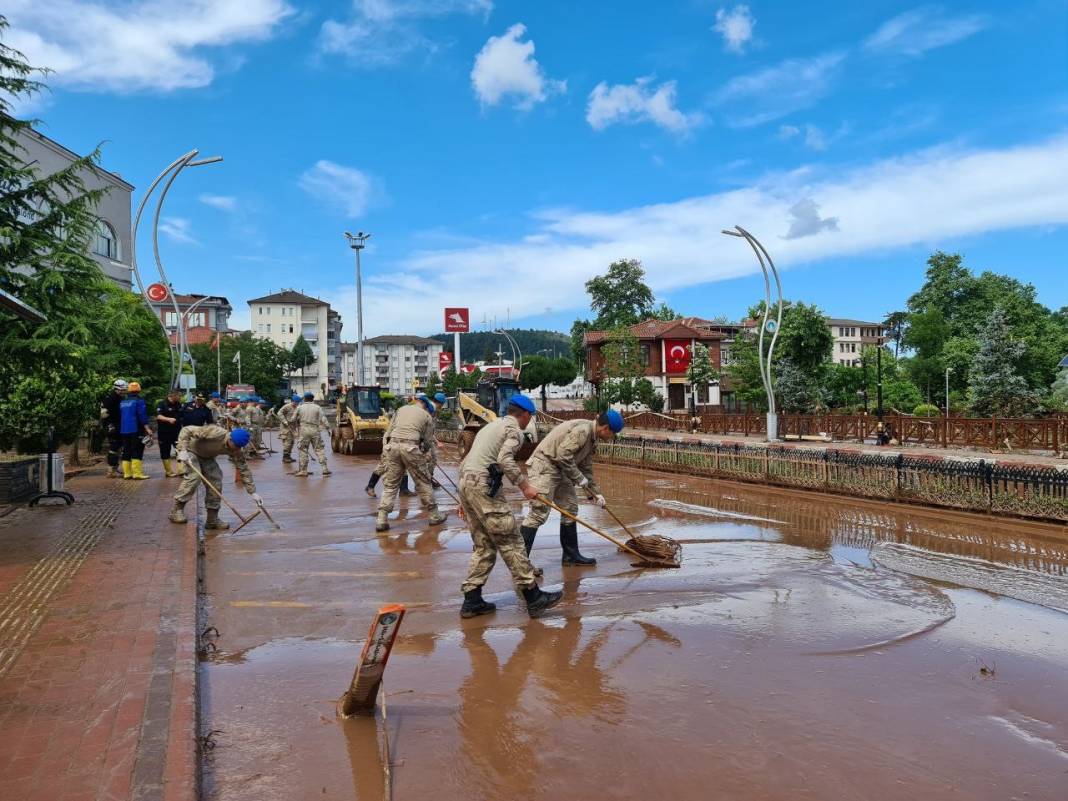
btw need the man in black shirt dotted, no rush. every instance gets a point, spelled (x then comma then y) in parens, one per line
(197, 413)
(168, 424)
(110, 418)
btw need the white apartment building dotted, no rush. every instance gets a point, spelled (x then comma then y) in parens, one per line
(850, 337)
(398, 364)
(284, 316)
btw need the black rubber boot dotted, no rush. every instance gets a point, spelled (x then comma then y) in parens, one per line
(474, 605)
(569, 545)
(528, 541)
(404, 488)
(371, 482)
(538, 600)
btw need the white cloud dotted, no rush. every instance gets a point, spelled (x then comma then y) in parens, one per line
(221, 202)
(141, 45)
(506, 67)
(637, 102)
(788, 132)
(735, 26)
(381, 32)
(178, 229)
(805, 220)
(347, 189)
(915, 32)
(926, 197)
(774, 92)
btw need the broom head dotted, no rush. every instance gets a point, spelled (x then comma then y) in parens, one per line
(657, 551)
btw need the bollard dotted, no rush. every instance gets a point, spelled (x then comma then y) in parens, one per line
(362, 694)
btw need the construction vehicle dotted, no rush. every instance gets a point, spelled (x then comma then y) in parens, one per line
(361, 423)
(486, 403)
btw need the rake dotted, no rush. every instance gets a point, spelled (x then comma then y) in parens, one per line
(654, 557)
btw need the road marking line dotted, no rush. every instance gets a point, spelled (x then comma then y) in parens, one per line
(340, 573)
(272, 604)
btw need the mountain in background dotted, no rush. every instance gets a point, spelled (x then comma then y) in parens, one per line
(478, 344)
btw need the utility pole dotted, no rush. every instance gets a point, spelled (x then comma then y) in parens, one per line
(357, 243)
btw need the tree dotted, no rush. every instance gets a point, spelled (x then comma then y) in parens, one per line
(539, 372)
(997, 388)
(744, 371)
(53, 373)
(620, 297)
(454, 380)
(263, 364)
(578, 349)
(797, 389)
(1058, 392)
(300, 357)
(896, 323)
(805, 338)
(622, 366)
(701, 371)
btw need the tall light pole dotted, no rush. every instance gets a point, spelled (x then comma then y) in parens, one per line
(357, 243)
(948, 371)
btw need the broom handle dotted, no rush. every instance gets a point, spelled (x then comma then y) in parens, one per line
(457, 500)
(211, 486)
(621, 523)
(592, 528)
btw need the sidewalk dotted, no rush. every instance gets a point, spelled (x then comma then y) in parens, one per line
(98, 646)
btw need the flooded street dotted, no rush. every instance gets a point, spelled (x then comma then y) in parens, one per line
(809, 648)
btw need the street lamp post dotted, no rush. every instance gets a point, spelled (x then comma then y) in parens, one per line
(765, 360)
(357, 243)
(948, 371)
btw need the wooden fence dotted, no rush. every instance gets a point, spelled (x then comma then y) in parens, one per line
(991, 433)
(980, 486)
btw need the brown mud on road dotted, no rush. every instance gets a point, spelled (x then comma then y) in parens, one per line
(809, 648)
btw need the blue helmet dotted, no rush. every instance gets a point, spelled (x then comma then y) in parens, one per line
(295, 399)
(614, 420)
(440, 397)
(240, 437)
(309, 396)
(423, 399)
(523, 402)
(216, 395)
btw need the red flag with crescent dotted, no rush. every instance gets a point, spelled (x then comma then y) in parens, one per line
(677, 355)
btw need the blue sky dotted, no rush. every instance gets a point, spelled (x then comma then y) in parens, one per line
(503, 152)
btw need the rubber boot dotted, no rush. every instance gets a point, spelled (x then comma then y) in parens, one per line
(326, 470)
(474, 605)
(437, 517)
(137, 470)
(301, 472)
(404, 488)
(177, 514)
(168, 469)
(127, 470)
(288, 457)
(382, 521)
(529, 533)
(113, 472)
(214, 522)
(370, 488)
(569, 545)
(538, 600)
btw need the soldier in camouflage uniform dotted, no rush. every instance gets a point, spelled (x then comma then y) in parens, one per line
(254, 424)
(490, 518)
(410, 435)
(287, 416)
(199, 446)
(310, 423)
(561, 462)
(218, 409)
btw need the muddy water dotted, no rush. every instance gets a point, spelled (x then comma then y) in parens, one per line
(809, 648)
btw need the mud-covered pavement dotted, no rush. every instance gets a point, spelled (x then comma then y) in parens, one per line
(809, 648)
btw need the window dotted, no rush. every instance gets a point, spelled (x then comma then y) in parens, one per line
(291, 328)
(645, 354)
(268, 328)
(260, 308)
(268, 309)
(104, 243)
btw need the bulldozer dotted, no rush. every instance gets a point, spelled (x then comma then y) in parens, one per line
(487, 402)
(361, 423)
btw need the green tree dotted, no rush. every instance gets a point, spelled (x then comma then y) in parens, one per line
(744, 371)
(263, 364)
(805, 338)
(540, 372)
(701, 371)
(300, 357)
(1058, 392)
(896, 323)
(622, 366)
(798, 389)
(997, 387)
(620, 297)
(454, 381)
(578, 349)
(53, 373)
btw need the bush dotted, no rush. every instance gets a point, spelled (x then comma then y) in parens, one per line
(926, 410)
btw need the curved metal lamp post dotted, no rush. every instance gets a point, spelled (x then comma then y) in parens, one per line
(178, 349)
(765, 359)
(517, 354)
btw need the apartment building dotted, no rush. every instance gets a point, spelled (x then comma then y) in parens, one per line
(284, 316)
(111, 247)
(850, 338)
(399, 363)
(205, 316)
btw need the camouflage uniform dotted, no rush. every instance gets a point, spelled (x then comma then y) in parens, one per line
(493, 526)
(218, 411)
(410, 434)
(287, 416)
(560, 462)
(206, 443)
(310, 421)
(254, 418)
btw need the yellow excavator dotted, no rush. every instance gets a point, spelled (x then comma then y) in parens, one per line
(486, 403)
(361, 423)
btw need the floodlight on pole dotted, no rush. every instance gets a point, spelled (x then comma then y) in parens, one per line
(357, 243)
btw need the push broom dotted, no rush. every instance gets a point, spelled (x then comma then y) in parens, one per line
(649, 554)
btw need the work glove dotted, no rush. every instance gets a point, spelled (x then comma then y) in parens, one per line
(185, 457)
(256, 497)
(584, 483)
(600, 500)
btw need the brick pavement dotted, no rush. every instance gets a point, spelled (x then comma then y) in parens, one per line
(98, 647)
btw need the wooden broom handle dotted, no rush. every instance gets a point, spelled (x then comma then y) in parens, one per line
(592, 528)
(211, 486)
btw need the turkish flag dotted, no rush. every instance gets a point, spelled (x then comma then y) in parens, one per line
(677, 355)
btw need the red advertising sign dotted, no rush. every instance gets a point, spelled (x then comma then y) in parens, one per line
(468, 368)
(157, 293)
(444, 362)
(676, 355)
(457, 320)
